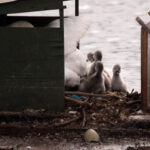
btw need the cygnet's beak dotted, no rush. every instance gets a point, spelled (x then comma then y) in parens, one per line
(117, 72)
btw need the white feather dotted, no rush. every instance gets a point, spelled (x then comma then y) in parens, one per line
(71, 78)
(75, 61)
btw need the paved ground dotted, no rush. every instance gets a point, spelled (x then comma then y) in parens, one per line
(45, 144)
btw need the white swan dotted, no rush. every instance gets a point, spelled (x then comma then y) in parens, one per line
(75, 61)
(71, 78)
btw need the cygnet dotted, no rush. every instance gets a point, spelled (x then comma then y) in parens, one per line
(90, 57)
(89, 62)
(98, 57)
(117, 83)
(95, 82)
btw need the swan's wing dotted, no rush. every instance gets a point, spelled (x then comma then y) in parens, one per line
(74, 29)
(76, 62)
(71, 78)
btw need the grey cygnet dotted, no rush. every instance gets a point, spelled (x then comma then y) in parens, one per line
(98, 57)
(117, 83)
(95, 82)
(90, 57)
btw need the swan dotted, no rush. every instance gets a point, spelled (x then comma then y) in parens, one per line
(117, 84)
(74, 29)
(72, 80)
(75, 61)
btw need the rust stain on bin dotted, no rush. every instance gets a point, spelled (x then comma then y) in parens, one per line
(144, 46)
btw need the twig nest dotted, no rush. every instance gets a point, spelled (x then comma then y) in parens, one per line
(91, 136)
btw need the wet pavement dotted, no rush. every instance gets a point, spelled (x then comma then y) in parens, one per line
(45, 144)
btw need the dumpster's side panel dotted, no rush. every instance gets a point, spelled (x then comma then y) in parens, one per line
(31, 69)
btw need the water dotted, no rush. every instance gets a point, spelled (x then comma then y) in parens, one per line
(115, 32)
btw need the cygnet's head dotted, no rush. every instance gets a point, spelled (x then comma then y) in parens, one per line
(116, 69)
(90, 57)
(97, 56)
(98, 67)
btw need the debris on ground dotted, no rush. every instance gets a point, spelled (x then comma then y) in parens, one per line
(92, 111)
(138, 148)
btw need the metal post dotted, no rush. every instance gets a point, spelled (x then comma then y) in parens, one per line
(76, 7)
(144, 46)
(61, 13)
(77, 14)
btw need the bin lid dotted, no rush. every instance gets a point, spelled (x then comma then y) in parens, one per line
(18, 6)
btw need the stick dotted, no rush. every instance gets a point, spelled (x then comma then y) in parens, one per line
(91, 94)
(141, 22)
(84, 117)
(77, 101)
(67, 122)
(21, 116)
(6, 148)
(133, 102)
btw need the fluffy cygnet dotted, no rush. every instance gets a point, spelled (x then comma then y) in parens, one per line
(98, 57)
(107, 80)
(89, 62)
(90, 57)
(117, 83)
(95, 82)
(72, 80)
